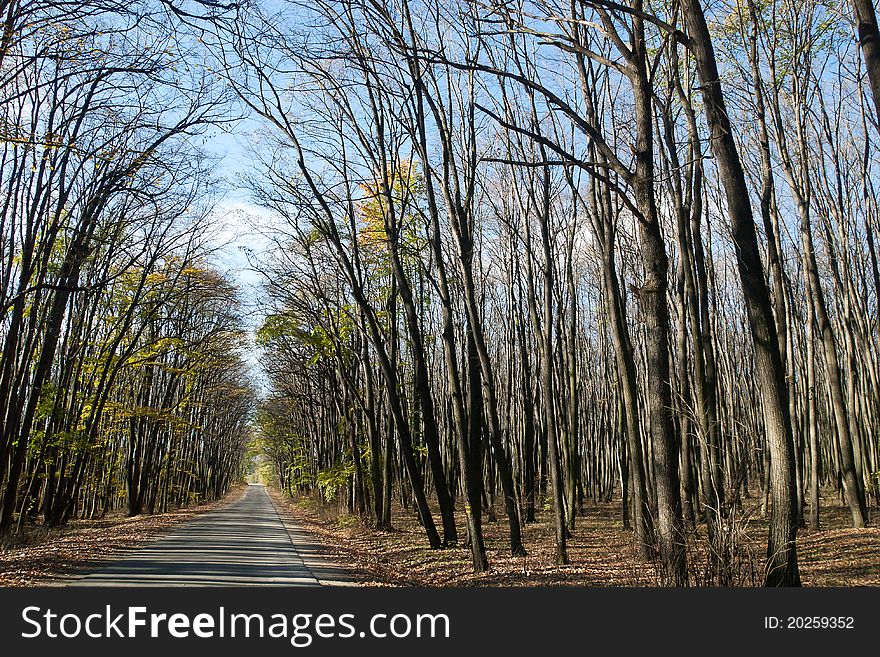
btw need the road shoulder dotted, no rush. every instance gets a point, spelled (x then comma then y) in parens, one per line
(314, 554)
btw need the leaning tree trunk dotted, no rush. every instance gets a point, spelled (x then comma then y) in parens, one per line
(781, 568)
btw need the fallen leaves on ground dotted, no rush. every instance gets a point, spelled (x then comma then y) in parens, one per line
(54, 556)
(601, 552)
(841, 557)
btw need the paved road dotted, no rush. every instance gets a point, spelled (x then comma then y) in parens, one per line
(245, 543)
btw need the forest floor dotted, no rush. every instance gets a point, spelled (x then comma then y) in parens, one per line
(600, 551)
(45, 557)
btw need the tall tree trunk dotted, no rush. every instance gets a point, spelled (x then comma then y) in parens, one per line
(869, 39)
(782, 568)
(655, 314)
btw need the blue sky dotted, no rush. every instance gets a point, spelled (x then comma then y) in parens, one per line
(240, 225)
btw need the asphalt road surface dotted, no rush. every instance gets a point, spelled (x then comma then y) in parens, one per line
(246, 543)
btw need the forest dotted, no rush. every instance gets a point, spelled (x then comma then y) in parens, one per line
(526, 257)
(542, 254)
(122, 378)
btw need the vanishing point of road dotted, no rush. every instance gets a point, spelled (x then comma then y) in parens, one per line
(246, 543)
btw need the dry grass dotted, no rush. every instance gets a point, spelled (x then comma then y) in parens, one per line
(600, 551)
(47, 557)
